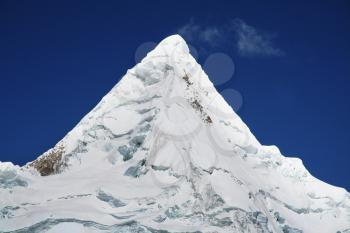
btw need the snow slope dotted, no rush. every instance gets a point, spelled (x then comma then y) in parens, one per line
(164, 152)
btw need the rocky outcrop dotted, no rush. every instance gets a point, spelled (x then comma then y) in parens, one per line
(49, 162)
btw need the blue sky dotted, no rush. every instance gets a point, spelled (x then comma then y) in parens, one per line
(291, 68)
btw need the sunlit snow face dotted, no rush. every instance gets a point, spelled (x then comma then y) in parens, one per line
(177, 123)
(220, 67)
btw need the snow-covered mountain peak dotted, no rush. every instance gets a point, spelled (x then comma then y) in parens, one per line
(164, 152)
(167, 92)
(170, 45)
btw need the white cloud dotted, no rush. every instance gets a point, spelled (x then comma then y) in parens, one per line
(251, 42)
(248, 40)
(210, 35)
(189, 30)
(197, 33)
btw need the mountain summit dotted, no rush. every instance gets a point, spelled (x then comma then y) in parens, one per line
(164, 152)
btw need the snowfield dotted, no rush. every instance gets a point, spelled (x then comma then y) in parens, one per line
(164, 152)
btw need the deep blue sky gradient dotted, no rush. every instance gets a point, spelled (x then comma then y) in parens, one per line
(59, 58)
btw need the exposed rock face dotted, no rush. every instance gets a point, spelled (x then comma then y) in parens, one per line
(50, 162)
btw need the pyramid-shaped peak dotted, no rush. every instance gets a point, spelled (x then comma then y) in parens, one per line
(164, 152)
(171, 45)
(173, 40)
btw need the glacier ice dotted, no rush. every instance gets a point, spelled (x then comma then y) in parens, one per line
(114, 202)
(9, 176)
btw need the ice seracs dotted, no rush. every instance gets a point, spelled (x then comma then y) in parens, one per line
(164, 152)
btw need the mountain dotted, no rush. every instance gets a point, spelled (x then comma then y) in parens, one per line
(164, 152)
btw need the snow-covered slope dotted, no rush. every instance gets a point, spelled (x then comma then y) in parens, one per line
(164, 152)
